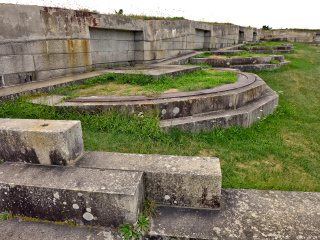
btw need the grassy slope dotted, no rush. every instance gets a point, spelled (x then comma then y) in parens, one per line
(280, 152)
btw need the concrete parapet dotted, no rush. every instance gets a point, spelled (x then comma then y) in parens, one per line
(83, 196)
(170, 180)
(47, 142)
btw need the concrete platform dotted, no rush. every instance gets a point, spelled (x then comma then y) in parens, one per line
(170, 180)
(11, 92)
(84, 196)
(244, 214)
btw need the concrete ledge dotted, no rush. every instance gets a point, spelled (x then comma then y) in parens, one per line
(174, 105)
(15, 229)
(244, 116)
(171, 180)
(84, 196)
(244, 214)
(50, 142)
(243, 63)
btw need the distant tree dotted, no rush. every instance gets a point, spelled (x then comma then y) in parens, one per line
(265, 27)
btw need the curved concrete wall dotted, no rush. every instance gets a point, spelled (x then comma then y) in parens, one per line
(303, 36)
(39, 43)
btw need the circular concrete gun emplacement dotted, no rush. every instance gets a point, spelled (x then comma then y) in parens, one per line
(239, 104)
(243, 63)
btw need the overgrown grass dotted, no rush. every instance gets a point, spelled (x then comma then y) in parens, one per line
(281, 152)
(147, 85)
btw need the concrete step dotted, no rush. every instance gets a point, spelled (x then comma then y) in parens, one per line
(244, 116)
(50, 142)
(170, 180)
(259, 67)
(244, 214)
(84, 196)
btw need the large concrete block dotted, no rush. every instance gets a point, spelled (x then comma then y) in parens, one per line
(55, 142)
(18, 78)
(26, 48)
(83, 196)
(47, 74)
(16, 64)
(170, 180)
(58, 61)
(101, 45)
(68, 46)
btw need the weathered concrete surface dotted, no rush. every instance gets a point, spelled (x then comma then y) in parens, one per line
(283, 49)
(259, 67)
(50, 142)
(172, 180)
(243, 63)
(16, 229)
(244, 116)
(84, 196)
(50, 42)
(230, 62)
(179, 104)
(245, 214)
(303, 36)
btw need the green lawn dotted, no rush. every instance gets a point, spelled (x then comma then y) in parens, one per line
(281, 152)
(139, 84)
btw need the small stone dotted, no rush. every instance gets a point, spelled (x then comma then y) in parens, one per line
(166, 197)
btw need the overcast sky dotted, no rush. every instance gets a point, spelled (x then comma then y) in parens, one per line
(274, 13)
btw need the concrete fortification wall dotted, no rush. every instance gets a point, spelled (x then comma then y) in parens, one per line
(39, 43)
(302, 36)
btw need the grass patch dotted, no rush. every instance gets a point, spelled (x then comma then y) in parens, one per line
(116, 84)
(281, 152)
(203, 55)
(274, 61)
(144, 17)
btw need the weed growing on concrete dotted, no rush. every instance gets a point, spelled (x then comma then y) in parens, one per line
(203, 55)
(274, 61)
(141, 228)
(128, 232)
(1, 161)
(6, 215)
(150, 208)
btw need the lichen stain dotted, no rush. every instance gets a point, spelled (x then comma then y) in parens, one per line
(213, 202)
(56, 158)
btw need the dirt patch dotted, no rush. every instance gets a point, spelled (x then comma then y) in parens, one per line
(171, 90)
(207, 153)
(112, 89)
